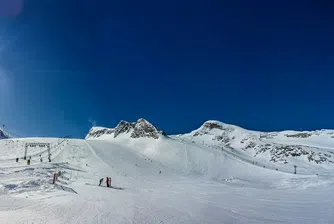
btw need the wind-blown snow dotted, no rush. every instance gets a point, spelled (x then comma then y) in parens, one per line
(171, 179)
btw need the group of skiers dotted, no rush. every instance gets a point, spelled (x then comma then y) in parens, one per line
(29, 159)
(108, 181)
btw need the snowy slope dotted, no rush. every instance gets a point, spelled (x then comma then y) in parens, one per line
(144, 195)
(304, 149)
(311, 152)
(159, 179)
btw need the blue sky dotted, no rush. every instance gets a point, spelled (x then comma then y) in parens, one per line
(263, 65)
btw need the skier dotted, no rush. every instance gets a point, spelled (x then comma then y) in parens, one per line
(107, 181)
(41, 159)
(101, 180)
(17, 159)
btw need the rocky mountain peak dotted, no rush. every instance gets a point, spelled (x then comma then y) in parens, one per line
(143, 128)
(139, 129)
(213, 127)
(123, 127)
(3, 135)
(212, 124)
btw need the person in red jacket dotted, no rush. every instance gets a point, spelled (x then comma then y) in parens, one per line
(107, 181)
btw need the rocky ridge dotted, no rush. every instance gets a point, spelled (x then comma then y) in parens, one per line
(139, 129)
(278, 147)
(222, 136)
(3, 135)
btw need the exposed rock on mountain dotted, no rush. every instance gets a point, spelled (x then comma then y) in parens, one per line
(139, 129)
(3, 135)
(96, 132)
(299, 135)
(278, 147)
(143, 128)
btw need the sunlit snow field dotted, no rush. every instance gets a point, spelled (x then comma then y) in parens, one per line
(195, 185)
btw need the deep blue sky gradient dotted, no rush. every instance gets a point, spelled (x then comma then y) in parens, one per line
(263, 65)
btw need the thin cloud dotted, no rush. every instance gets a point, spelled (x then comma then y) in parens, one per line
(92, 122)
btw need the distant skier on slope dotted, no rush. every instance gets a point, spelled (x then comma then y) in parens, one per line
(101, 180)
(107, 181)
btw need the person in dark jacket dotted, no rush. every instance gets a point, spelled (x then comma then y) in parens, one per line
(101, 180)
(107, 181)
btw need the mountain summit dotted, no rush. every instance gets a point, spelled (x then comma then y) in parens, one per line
(275, 147)
(139, 129)
(3, 135)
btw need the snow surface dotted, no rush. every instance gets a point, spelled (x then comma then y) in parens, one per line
(197, 184)
(248, 146)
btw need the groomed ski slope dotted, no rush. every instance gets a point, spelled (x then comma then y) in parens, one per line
(196, 185)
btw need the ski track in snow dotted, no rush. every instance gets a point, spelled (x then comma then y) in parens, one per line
(188, 190)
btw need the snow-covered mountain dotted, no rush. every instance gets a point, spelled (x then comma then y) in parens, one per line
(307, 149)
(212, 175)
(138, 129)
(3, 135)
(313, 146)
